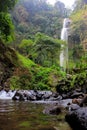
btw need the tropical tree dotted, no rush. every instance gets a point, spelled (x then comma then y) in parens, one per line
(26, 46)
(46, 50)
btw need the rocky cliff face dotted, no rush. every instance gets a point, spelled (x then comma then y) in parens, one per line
(8, 61)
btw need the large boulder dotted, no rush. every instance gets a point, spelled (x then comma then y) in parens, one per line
(77, 118)
(54, 110)
(83, 101)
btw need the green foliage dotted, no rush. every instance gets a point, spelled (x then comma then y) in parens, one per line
(79, 32)
(21, 79)
(25, 62)
(24, 81)
(45, 50)
(82, 62)
(79, 25)
(26, 46)
(31, 76)
(35, 16)
(68, 84)
(77, 53)
(40, 80)
(47, 78)
(42, 86)
(6, 5)
(26, 43)
(14, 82)
(6, 26)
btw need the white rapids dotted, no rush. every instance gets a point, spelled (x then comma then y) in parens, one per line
(7, 95)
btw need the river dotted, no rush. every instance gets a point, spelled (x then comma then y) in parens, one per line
(15, 115)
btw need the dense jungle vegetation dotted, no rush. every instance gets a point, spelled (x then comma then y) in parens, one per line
(30, 45)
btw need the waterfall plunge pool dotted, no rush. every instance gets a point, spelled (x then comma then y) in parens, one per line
(15, 115)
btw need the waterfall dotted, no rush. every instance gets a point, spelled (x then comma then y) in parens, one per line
(64, 48)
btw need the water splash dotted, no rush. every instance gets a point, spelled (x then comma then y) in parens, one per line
(64, 37)
(7, 95)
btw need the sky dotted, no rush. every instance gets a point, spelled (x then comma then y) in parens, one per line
(68, 3)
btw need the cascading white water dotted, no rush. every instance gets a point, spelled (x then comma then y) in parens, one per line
(64, 48)
(7, 95)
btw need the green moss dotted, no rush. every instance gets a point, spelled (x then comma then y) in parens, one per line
(24, 124)
(25, 62)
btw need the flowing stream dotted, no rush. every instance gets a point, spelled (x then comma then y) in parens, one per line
(64, 51)
(16, 115)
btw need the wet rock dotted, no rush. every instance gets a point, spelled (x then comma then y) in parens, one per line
(55, 94)
(30, 95)
(33, 95)
(78, 90)
(76, 101)
(38, 97)
(19, 96)
(54, 110)
(25, 95)
(83, 101)
(64, 103)
(66, 96)
(47, 95)
(15, 98)
(55, 99)
(77, 118)
(39, 94)
(73, 107)
(33, 92)
(77, 94)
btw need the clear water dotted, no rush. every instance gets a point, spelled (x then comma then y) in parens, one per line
(28, 116)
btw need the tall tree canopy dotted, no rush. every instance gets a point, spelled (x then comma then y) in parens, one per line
(32, 16)
(79, 4)
(7, 5)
